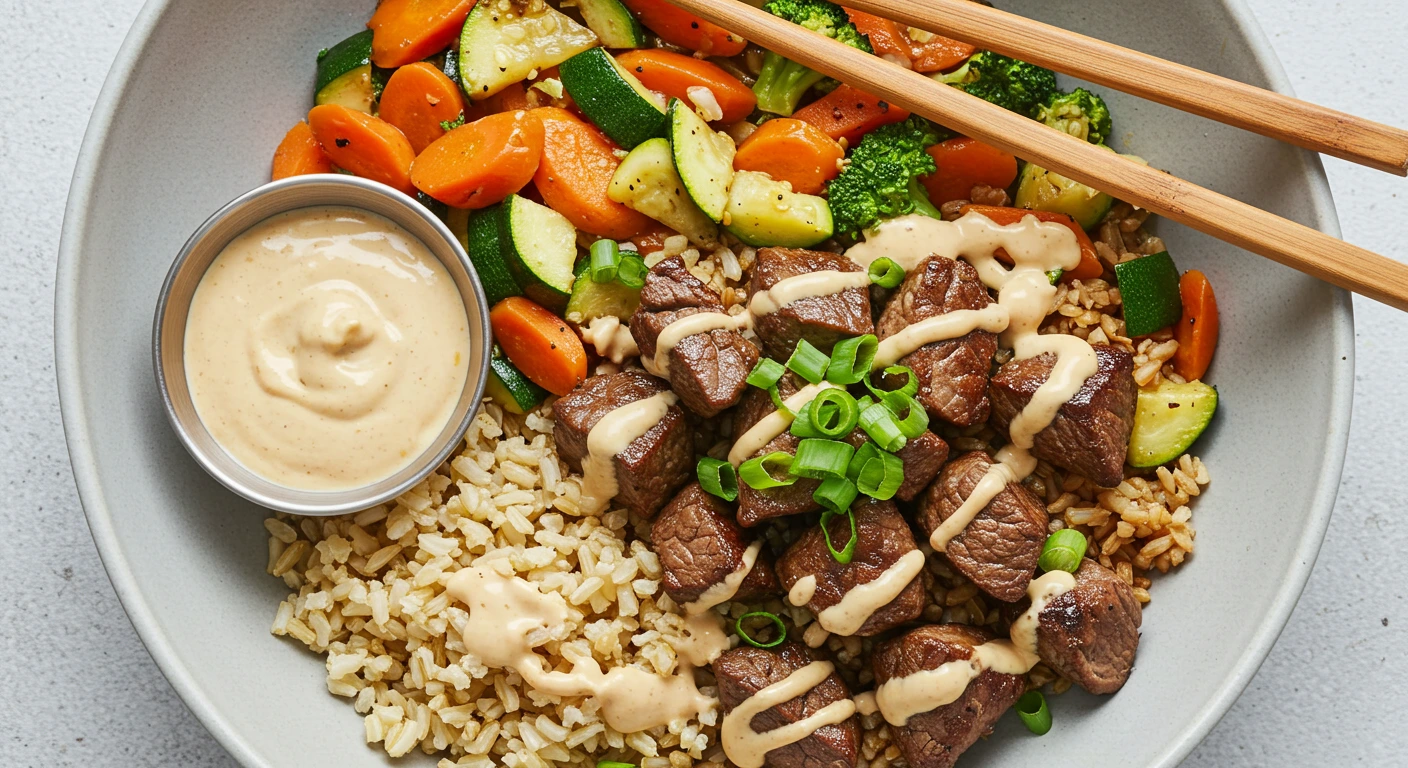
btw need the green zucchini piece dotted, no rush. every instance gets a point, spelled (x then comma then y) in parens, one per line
(591, 299)
(347, 76)
(703, 158)
(1168, 419)
(762, 212)
(541, 249)
(488, 251)
(613, 23)
(508, 387)
(353, 90)
(1043, 190)
(646, 181)
(613, 98)
(1149, 290)
(350, 54)
(498, 49)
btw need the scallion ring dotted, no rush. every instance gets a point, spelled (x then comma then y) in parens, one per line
(886, 273)
(777, 400)
(717, 477)
(880, 423)
(1032, 709)
(760, 472)
(613, 764)
(843, 555)
(851, 359)
(766, 373)
(776, 622)
(808, 362)
(914, 421)
(881, 476)
(604, 260)
(831, 414)
(910, 386)
(1062, 551)
(631, 271)
(820, 458)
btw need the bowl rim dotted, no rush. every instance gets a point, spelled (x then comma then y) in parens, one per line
(73, 241)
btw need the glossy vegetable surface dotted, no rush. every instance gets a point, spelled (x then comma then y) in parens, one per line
(299, 154)
(539, 344)
(367, 146)
(673, 74)
(963, 163)
(483, 162)
(793, 151)
(574, 175)
(420, 100)
(1197, 329)
(406, 31)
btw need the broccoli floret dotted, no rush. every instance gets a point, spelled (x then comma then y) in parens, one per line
(1080, 113)
(782, 83)
(881, 180)
(1006, 82)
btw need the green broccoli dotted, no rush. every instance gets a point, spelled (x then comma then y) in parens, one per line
(1080, 113)
(881, 180)
(1009, 83)
(782, 83)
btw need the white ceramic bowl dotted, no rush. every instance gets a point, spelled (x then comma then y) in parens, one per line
(181, 127)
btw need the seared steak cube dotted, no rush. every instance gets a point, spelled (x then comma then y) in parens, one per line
(653, 465)
(953, 374)
(935, 739)
(998, 551)
(700, 545)
(821, 320)
(923, 457)
(707, 370)
(1090, 434)
(882, 539)
(1089, 634)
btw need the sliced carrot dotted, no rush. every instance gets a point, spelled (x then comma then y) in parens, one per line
(483, 162)
(792, 151)
(887, 37)
(1089, 267)
(417, 99)
(1196, 332)
(963, 163)
(299, 154)
(680, 27)
(575, 172)
(937, 53)
(512, 98)
(539, 344)
(849, 113)
(404, 31)
(365, 145)
(673, 74)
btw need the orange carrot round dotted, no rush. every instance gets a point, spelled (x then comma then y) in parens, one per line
(887, 38)
(937, 53)
(299, 154)
(404, 31)
(365, 145)
(539, 344)
(1196, 331)
(575, 172)
(481, 163)
(792, 151)
(673, 74)
(680, 27)
(849, 113)
(964, 163)
(1089, 267)
(417, 99)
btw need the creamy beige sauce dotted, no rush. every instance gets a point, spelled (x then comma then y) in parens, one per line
(509, 617)
(865, 703)
(961, 322)
(846, 617)
(805, 286)
(611, 338)
(724, 591)
(774, 424)
(326, 348)
(681, 329)
(608, 437)
(901, 698)
(802, 590)
(748, 748)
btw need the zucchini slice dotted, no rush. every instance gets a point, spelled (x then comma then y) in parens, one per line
(508, 387)
(483, 240)
(500, 46)
(541, 249)
(1167, 420)
(613, 23)
(613, 99)
(346, 76)
(647, 181)
(1149, 290)
(703, 157)
(591, 299)
(762, 212)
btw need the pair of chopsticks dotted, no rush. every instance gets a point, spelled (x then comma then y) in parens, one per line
(1270, 114)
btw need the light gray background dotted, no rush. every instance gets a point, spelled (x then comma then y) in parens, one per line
(77, 687)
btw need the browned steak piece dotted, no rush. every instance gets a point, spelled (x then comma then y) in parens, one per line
(936, 738)
(883, 538)
(745, 670)
(654, 464)
(923, 457)
(1090, 434)
(707, 370)
(953, 374)
(821, 320)
(1089, 634)
(700, 545)
(999, 549)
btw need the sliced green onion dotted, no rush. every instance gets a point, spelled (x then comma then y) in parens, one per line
(1032, 709)
(808, 362)
(831, 414)
(1062, 551)
(879, 475)
(820, 459)
(766, 373)
(851, 359)
(1055, 276)
(631, 271)
(777, 400)
(911, 383)
(745, 637)
(613, 764)
(717, 477)
(880, 423)
(605, 259)
(915, 419)
(844, 555)
(760, 473)
(886, 273)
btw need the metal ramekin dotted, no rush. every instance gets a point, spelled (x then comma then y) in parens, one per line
(169, 331)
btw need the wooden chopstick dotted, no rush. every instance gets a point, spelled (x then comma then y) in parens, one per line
(1227, 101)
(1294, 245)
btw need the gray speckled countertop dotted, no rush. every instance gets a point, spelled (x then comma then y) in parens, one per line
(80, 690)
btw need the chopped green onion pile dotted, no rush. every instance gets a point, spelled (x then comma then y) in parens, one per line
(886, 273)
(831, 414)
(1062, 551)
(876, 473)
(605, 259)
(1032, 709)
(844, 555)
(718, 478)
(819, 458)
(915, 419)
(851, 359)
(880, 423)
(808, 362)
(761, 472)
(776, 622)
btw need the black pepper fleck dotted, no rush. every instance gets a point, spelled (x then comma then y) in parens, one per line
(341, 142)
